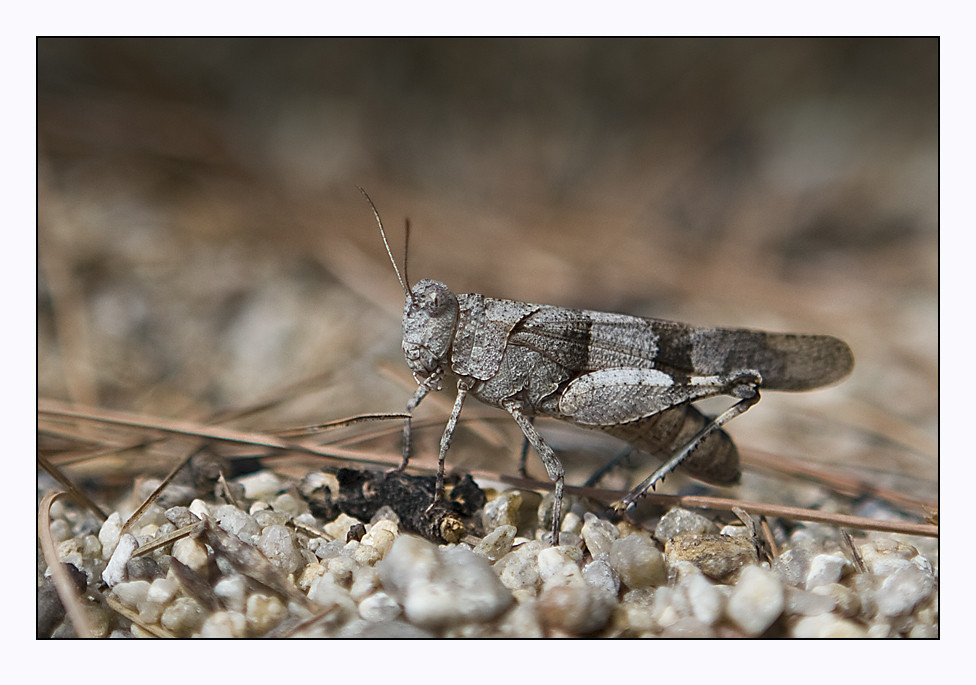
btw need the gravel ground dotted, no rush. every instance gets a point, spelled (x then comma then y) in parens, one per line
(269, 567)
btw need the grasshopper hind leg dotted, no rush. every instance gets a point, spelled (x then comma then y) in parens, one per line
(749, 396)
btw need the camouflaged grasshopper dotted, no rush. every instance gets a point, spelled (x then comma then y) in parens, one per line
(634, 378)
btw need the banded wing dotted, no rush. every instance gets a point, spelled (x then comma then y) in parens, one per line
(582, 340)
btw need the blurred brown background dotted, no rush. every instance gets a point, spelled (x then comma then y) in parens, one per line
(202, 242)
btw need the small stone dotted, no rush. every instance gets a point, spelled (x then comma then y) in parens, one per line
(520, 567)
(497, 543)
(439, 587)
(191, 552)
(181, 516)
(903, 590)
(379, 606)
(237, 523)
(846, 601)
(263, 485)
(502, 511)
(114, 572)
(162, 590)
(599, 574)
(69, 552)
(224, 624)
(342, 569)
(637, 561)
(326, 549)
(287, 503)
(756, 600)
(560, 566)
(278, 547)
(636, 608)
(366, 555)
(572, 523)
(803, 603)
(232, 590)
(825, 569)
(598, 534)
(263, 613)
(717, 556)
(576, 609)
(383, 630)
(132, 593)
(688, 627)
(109, 534)
(325, 591)
(142, 568)
(365, 581)
(339, 529)
(60, 530)
(704, 600)
(522, 622)
(681, 521)
(267, 517)
(827, 626)
(381, 535)
(183, 617)
(793, 565)
(199, 508)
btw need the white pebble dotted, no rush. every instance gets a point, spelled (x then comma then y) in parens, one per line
(440, 587)
(114, 572)
(825, 569)
(339, 529)
(224, 624)
(497, 543)
(803, 603)
(263, 613)
(191, 552)
(379, 606)
(199, 508)
(262, 485)
(231, 590)
(381, 535)
(183, 616)
(560, 566)
(520, 568)
(704, 600)
(162, 590)
(109, 533)
(502, 511)
(827, 626)
(60, 530)
(287, 503)
(237, 523)
(278, 546)
(132, 593)
(903, 590)
(756, 600)
(600, 575)
(598, 534)
(679, 520)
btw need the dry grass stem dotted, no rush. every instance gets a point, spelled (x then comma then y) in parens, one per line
(66, 591)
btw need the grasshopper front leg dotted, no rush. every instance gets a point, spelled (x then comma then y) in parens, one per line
(553, 467)
(432, 382)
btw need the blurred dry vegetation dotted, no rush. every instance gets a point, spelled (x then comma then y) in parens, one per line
(202, 243)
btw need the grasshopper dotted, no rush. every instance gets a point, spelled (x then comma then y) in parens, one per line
(632, 377)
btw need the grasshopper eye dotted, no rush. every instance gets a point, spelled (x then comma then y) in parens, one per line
(436, 302)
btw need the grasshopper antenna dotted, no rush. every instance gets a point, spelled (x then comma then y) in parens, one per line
(379, 221)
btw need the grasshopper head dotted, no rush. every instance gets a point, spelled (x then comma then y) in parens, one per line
(429, 319)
